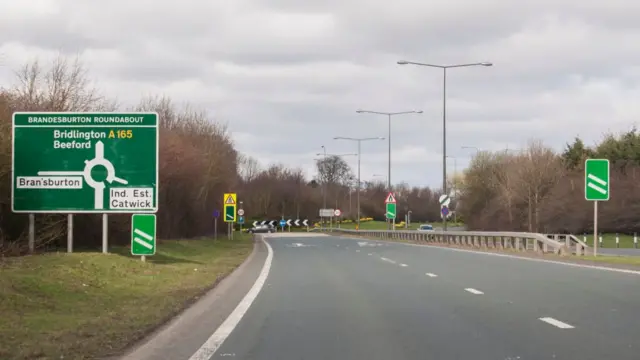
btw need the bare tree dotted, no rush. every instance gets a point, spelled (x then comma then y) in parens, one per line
(248, 168)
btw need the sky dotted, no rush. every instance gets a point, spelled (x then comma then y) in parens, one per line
(287, 76)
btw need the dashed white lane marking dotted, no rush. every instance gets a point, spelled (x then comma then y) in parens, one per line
(404, 265)
(370, 254)
(509, 256)
(474, 291)
(387, 260)
(431, 275)
(357, 250)
(556, 323)
(213, 343)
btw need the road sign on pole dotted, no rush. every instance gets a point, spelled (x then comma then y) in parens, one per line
(337, 212)
(143, 234)
(230, 202)
(596, 179)
(85, 162)
(444, 200)
(391, 210)
(240, 212)
(390, 199)
(444, 212)
(326, 212)
(390, 205)
(596, 188)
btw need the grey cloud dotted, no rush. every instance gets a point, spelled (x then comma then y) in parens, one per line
(287, 87)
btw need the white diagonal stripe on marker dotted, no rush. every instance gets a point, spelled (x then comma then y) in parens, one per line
(143, 234)
(143, 243)
(597, 179)
(597, 188)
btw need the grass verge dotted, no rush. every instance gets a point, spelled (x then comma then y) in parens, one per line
(86, 305)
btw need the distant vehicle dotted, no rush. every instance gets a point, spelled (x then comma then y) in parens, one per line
(425, 228)
(261, 229)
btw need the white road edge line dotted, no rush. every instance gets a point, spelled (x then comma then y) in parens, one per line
(404, 265)
(209, 348)
(474, 291)
(431, 275)
(583, 266)
(556, 323)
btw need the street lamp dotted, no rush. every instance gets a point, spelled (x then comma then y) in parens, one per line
(471, 147)
(380, 175)
(324, 182)
(359, 140)
(444, 114)
(325, 163)
(389, 115)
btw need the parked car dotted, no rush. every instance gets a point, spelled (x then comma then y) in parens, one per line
(261, 229)
(425, 227)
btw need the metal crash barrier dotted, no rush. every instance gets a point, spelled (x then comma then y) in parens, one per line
(516, 241)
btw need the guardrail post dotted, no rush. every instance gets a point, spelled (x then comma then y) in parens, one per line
(635, 240)
(600, 240)
(617, 241)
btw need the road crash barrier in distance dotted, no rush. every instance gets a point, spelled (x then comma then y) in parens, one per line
(502, 240)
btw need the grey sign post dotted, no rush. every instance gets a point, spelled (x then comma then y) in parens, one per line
(216, 215)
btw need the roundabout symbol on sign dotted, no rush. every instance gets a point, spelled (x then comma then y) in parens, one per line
(98, 186)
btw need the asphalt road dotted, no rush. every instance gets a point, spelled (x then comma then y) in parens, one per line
(338, 298)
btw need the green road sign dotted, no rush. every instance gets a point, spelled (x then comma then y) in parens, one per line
(229, 213)
(143, 234)
(391, 210)
(596, 180)
(85, 162)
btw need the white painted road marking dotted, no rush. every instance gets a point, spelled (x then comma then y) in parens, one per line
(431, 275)
(357, 250)
(387, 260)
(556, 323)
(404, 265)
(474, 291)
(370, 254)
(206, 351)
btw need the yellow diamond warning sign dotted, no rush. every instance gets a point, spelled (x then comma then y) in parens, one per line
(229, 199)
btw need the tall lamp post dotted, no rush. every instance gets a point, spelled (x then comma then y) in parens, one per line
(382, 176)
(444, 114)
(389, 115)
(472, 148)
(359, 141)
